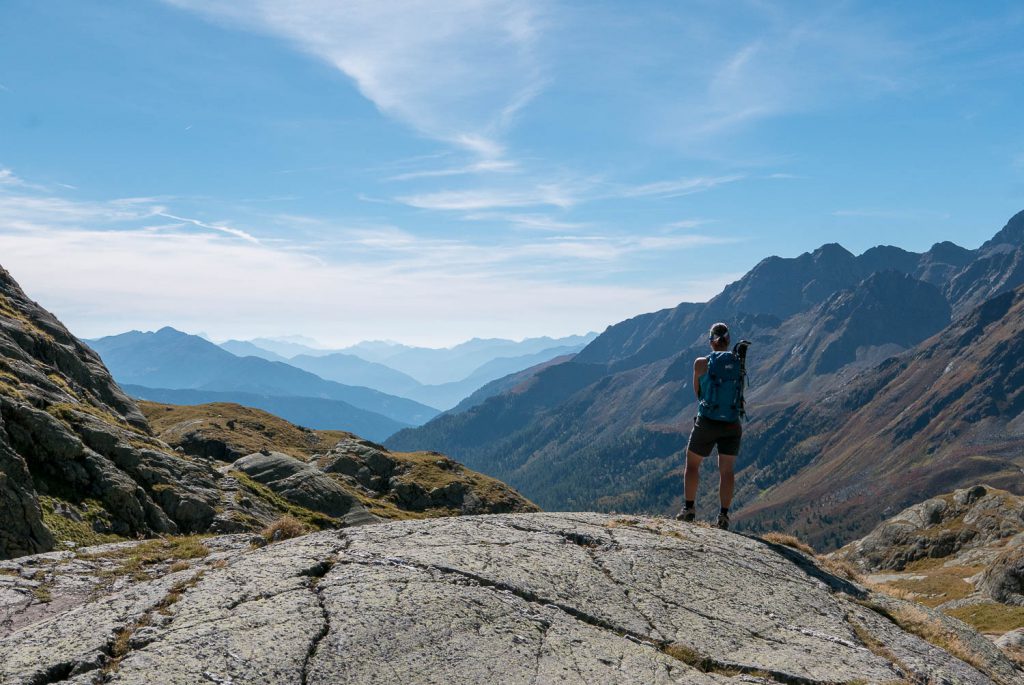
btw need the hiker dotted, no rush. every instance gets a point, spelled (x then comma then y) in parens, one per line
(718, 381)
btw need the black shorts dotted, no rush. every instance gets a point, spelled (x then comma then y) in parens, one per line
(707, 433)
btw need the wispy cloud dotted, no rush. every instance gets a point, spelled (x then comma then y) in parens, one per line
(753, 61)
(536, 222)
(237, 232)
(679, 187)
(457, 71)
(394, 282)
(561, 194)
(483, 166)
(475, 200)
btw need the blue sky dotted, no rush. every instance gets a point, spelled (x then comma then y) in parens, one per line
(433, 171)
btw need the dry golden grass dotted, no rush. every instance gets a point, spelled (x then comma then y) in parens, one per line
(788, 541)
(990, 617)
(935, 586)
(1015, 654)
(840, 567)
(139, 561)
(688, 655)
(915, 620)
(244, 429)
(876, 646)
(284, 528)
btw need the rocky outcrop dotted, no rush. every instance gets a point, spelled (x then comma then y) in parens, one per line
(574, 598)
(1003, 580)
(301, 483)
(973, 525)
(961, 553)
(71, 441)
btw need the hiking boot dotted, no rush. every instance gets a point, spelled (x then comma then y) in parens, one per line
(723, 521)
(687, 515)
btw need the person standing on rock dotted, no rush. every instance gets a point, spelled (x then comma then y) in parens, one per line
(718, 381)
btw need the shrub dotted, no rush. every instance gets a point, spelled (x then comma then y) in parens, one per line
(788, 541)
(284, 528)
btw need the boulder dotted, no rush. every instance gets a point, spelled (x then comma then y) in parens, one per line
(298, 482)
(1003, 580)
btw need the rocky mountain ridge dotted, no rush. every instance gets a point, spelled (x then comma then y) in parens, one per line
(170, 359)
(944, 415)
(605, 429)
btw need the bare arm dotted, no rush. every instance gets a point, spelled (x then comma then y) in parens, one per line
(700, 367)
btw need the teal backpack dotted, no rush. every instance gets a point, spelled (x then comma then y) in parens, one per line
(722, 397)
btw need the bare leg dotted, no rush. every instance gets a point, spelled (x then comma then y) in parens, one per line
(692, 477)
(727, 479)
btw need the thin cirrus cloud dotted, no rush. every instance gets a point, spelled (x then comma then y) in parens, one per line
(457, 71)
(798, 59)
(563, 195)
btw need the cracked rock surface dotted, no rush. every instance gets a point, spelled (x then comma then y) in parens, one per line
(517, 598)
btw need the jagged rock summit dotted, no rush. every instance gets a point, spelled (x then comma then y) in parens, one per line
(517, 598)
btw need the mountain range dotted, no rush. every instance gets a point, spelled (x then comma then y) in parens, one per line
(834, 334)
(437, 377)
(174, 360)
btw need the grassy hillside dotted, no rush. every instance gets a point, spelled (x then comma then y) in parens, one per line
(389, 484)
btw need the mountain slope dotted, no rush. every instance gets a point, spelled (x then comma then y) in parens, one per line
(607, 436)
(353, 370)
(453, 364)
(78, 460)
(314, 412)
(948, 414)
(244, 348)
(175, 360)
(347, 368)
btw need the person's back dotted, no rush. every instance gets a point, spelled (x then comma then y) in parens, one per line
(720, 387)
(718, 384)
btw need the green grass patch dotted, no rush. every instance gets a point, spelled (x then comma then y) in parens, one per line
(137, 561)
(61, 383)
(8, 310)
(937, 585)
(387, 509)
(990, 617)
(66, 412)
(311, 518)
(81, 533)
